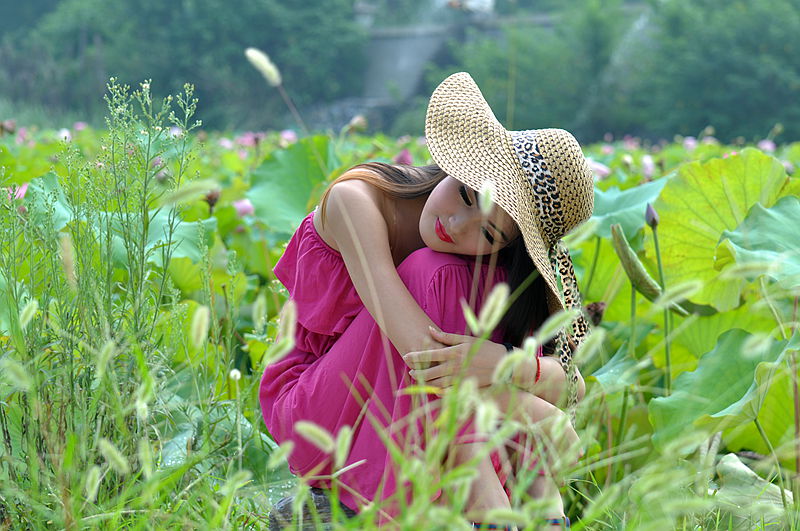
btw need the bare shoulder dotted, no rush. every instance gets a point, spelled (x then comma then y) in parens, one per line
(350, 202)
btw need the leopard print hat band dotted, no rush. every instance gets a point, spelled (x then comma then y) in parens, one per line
(540, 177)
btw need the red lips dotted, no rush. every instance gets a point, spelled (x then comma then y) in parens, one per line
(441, 233)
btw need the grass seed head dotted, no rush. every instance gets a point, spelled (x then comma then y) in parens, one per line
(28, 312)
(67, 250)
(93, 478)
(200, 321)
(264, 65)
(114, 457)
(316, 435)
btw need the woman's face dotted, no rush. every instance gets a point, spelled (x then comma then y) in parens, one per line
(452, 222)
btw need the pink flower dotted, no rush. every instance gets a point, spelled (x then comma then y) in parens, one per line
(600, 170)
(766, 145)
(788, 166)
(404, 157)
(648, 166)
(79, 126)
(244, 207)
(608, 137)
(289, 136)
(689, 143)
(731, 154)
(226, 143)
(22, 135)
(630, 142)
(19, 193)
(158, 161)
(607, 149)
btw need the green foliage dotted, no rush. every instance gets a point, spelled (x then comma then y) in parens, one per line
(318, 49)
(732, 65)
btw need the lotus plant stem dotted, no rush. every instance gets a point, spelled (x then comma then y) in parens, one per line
(796, 479)
(668, 377)
(620, 428)
(774, 456)
(773, 309)
(302, 125)
(594, 265)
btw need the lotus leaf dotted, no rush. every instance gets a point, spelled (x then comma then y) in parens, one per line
(768, 236)
(285, 187)
(699, 204)
(727, 389)
(624, 207)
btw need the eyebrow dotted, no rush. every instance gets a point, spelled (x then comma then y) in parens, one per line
(495, 227)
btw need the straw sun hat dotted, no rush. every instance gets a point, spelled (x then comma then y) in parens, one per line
(539, 177)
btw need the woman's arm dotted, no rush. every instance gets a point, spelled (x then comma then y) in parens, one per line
(356, 224)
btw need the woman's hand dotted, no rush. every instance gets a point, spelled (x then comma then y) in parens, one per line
(441, 366)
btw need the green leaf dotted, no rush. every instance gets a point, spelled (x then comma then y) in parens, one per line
(727, 389)
(698, 205)
(749, 499)
(284, 188)
(768, 236)
(618, 372)
(43, 194)
(624, 207)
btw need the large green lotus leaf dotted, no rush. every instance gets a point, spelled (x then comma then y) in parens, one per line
(691, 340)
(625, 207)
(701, 202)
(776, 417)
(286, 185)
(767, 235)
(724, 391)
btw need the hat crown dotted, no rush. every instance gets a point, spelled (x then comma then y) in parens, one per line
(561, 181)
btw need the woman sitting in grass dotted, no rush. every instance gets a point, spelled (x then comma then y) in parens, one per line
(391, 253)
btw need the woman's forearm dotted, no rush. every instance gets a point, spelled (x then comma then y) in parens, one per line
(552, 384)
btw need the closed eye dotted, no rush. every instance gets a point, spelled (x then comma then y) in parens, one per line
(463, 191)
(488, 236)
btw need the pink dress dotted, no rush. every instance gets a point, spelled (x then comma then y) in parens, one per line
(343, 371)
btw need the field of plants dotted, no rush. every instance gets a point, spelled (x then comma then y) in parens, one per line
(138, 308)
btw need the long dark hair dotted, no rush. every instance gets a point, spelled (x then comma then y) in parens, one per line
(529, 310)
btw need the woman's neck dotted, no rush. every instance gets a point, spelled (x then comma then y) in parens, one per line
(402, 219)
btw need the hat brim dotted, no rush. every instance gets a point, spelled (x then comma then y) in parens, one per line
(468, 142)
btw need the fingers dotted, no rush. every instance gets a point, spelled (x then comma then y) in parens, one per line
(423, 358)
(449, 339)
(430, 375)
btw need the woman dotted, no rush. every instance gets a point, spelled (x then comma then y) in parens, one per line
(390, 255)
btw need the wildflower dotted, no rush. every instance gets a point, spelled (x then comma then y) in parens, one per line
(244, 207)
(648, 166)
(235, 375)
(175, 132)
(689, 143)
(788, 166)
(263, 64)
(600, 170)
(226, 143)
(767, 145)
(607, 149)
(79, 126)
(627, 160)
(289, 136)
(22, 135)
(157, 161)
(404, 158)
(730, 154)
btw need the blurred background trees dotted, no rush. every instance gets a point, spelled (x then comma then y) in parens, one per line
(651, 68)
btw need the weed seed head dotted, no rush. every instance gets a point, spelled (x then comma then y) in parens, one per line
(263, 64)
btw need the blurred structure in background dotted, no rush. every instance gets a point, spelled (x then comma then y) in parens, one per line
(653, 69)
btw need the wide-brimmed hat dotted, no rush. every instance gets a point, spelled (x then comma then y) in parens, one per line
(540, 177)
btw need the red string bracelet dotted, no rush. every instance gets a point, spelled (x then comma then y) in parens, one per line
(538, 365)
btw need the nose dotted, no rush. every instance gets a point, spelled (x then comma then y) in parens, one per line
(464, 222)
